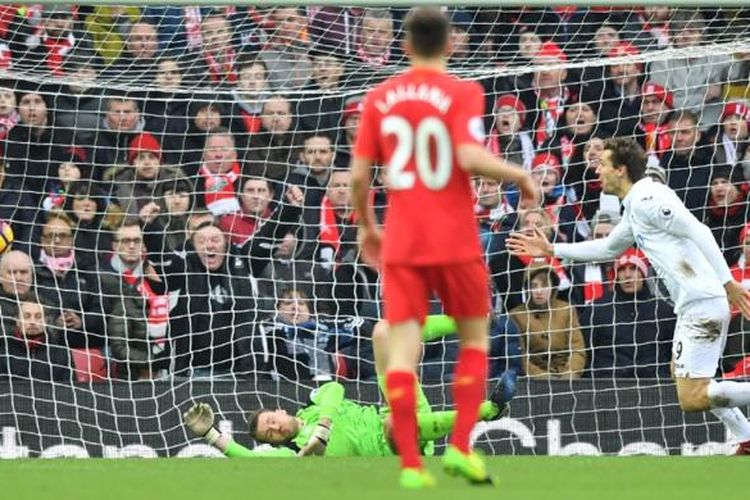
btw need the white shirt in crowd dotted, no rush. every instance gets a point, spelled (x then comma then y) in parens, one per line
(681, 249)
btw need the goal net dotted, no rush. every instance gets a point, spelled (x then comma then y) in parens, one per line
(174, 186)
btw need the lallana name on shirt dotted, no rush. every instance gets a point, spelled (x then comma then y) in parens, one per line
(411, 92)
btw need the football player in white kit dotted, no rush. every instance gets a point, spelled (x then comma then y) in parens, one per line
(687, 259)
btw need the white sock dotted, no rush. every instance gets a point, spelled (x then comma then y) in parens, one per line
(735, 421)
(728, 394)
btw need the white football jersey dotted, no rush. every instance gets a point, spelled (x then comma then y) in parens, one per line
(680, 248)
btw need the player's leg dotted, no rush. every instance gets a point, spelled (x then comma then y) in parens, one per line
(380, 353)
(698, 343)
(464, 291)
(406, 298)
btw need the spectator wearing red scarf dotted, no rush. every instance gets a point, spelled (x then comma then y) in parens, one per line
(219, 174)
(727, 210)
(338, 229)
(548, 94)
(652, 131)
(249, 96)
(53, 41)
(590, 280)
(376, 35)
(215, 65)
(731, 142)
(138, 306)
(492, 212)
(33, 350)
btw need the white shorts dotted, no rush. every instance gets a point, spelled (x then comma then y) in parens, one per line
(699, 338)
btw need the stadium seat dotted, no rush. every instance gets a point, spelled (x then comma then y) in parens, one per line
(90, 365)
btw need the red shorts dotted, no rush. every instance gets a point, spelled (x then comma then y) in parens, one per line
(463, 288)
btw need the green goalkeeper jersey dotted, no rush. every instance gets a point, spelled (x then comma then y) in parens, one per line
(356, 430)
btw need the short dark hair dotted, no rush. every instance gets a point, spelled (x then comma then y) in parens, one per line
(222, 130)
(247, 60)
(686, 115)
(130, 221)
(323, 135)
(248, 178)
(627, 152)
(252, 423)
(117, 97)
(427, 29)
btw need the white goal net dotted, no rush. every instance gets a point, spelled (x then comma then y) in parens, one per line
(176, 189)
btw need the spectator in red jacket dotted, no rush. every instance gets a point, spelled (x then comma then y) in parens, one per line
(255, 208)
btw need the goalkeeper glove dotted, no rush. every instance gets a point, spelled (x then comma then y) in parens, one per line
(200, 420)
(318, 441)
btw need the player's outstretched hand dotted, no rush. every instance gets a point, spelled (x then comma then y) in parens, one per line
(199, 419)
(370, 241)
(532, 243)
(738, 297)
(313, 447)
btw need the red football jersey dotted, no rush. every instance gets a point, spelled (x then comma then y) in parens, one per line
(413, 123)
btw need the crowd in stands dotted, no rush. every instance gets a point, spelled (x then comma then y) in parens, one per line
(177, 182)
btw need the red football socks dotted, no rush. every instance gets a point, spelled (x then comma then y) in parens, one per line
(400, 386)
(469, 382)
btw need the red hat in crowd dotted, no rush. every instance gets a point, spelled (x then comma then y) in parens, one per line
(551, 49)
(736, 108)
(623, 49)
(514, 102)
(143, 142)
(635, 257)
(352, 108)
(654, 89)
(547, 160)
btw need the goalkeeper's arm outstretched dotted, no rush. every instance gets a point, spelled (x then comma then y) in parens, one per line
(334, 426)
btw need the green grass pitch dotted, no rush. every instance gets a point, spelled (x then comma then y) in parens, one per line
(522, 478)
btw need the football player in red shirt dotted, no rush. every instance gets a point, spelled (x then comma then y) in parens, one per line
(426, 126)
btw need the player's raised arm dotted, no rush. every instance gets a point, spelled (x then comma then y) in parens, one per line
(672, 217)
(536, 245)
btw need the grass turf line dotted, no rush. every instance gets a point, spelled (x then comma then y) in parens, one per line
(526, 478)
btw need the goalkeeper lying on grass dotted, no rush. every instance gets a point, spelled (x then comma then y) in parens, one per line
(334, 426)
